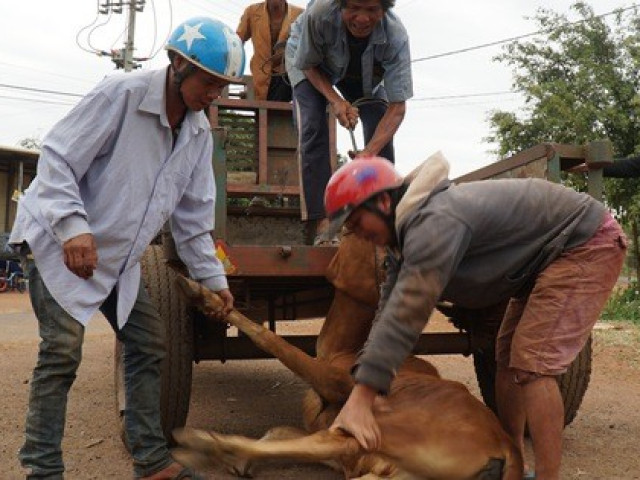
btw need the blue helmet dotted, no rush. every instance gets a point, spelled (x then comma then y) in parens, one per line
(210, 45)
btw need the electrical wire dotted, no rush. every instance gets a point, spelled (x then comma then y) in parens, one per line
(467, 95)
(153, 54)
(39, 90)
(88, 26)
(39, 70)
(454, 104)
(36, 100)
(155, 30)
(516, 38)
(121, 36)
(108, 19)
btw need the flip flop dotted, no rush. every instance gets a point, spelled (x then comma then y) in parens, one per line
(320, 241)
(188, 473)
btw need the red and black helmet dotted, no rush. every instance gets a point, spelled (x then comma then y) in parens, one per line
(355, 183)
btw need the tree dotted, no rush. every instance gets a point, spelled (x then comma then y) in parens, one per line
(580, 82)
(30, 143)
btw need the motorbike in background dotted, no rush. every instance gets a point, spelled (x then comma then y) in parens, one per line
(12, 277)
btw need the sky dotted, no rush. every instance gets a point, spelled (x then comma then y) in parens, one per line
(48, 61)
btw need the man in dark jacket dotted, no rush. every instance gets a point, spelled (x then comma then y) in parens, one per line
(555, 253)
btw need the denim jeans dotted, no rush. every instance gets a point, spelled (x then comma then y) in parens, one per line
(59, 357)
(310, 113)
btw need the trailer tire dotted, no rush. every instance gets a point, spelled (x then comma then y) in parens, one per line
(159, 280)
(573, 384)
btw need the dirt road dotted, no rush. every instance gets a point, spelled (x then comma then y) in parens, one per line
(248, 397)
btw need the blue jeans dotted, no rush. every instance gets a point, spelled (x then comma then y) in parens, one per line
(310, 114)
(59, 357)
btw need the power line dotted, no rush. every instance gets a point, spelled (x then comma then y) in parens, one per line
(513, 39)
(421, 99)
(433, 106)
(46, 72)
(467, 95)
(35, 100)
(39, 90)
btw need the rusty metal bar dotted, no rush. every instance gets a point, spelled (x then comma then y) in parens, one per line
(242, 348)
(283, 260)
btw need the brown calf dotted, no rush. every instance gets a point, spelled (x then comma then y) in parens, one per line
(431, 428)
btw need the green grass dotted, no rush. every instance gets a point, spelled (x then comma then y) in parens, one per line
(624, 305)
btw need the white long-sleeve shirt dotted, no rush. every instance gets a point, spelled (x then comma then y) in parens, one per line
(110, 168)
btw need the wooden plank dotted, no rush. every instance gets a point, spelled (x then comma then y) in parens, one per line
(553, 168)
(506, 164)
(251, 104)
(544, 150)
(220, 177)
(261, 189)
(263, 157)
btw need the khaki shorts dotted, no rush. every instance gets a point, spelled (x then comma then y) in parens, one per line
(544, 332)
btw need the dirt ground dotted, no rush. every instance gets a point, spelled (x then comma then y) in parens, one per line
(248, 397)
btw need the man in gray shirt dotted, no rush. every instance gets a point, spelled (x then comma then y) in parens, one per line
(361, 48)
(553, 253)
(133, 154)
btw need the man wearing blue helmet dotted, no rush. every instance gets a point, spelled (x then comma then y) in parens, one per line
(133, 154)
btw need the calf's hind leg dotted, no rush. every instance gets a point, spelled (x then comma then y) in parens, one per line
(198, 446)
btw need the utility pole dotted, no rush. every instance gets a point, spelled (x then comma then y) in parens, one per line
(124, 58)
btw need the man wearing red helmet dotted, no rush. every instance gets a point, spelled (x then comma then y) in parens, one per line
(554, 253)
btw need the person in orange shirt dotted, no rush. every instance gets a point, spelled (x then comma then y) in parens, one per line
(267, 25)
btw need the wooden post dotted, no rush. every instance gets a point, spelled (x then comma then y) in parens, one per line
(220, 175)
(553, 168)
(598, 154)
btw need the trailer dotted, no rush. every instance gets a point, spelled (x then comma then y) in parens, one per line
(275, 274)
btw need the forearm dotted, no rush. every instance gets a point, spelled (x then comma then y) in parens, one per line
(397, 330)
(386, 129)
(624, 168)
(59, 197)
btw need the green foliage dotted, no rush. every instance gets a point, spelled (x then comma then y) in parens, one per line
(31, 143)
(579, 81)
(624, 305)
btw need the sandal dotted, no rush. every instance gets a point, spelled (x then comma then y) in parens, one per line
(529, 476)
(184, 474)
(189, 473)
(321, 241)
